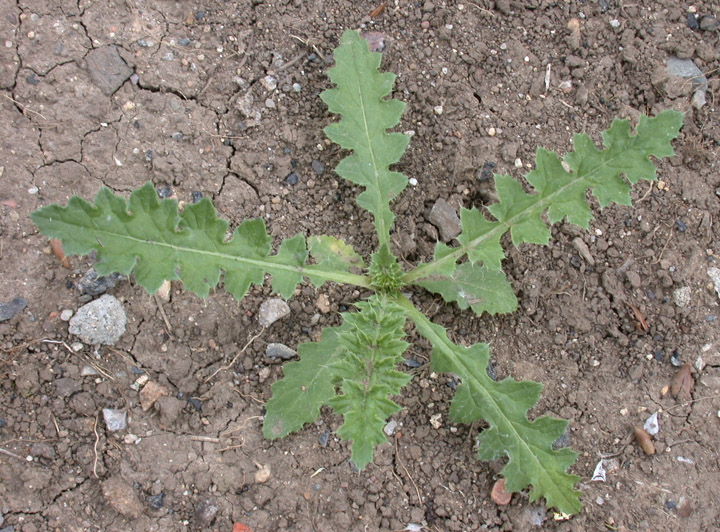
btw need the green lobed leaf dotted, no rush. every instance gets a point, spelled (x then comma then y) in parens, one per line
(477, 287)
(150, 238)
(373, 347)
(559, 190)
(351, 369)
(359, 98)
(504, 406)
(308, 385)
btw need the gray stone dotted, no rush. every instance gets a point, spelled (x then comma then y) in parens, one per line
(205, 512)
(279, 351)
(682, 296)
(686, 69)
(65, 387)
(272, 310)
(115, 419)
(99, 322)
(317, 166)
(445, 218)
(8, 310)
(107, 69)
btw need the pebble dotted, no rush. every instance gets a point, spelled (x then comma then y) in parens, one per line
(323, 303)
(88, 371)
(270, 103)
(184, 41)
(413, 182)
(33, 190)
(296, 87)
(156, 501)
(269, 82)
(292, 179)
(438, 109)
(445, 218)
(390, 427)
(107, 69)
(317, 167)
(698, 100)
(115, 419)
(272, 310)
(150, 393)
(205, 512)
(122, 497)
(687, 69)
(615, 23)
(93, 285)
(714, 274)
(682, 296)
(709, 23)
(101, 321)
(277, 350)
(583, 250)
(65, 387)
(692, 22)
(8, 310)
(66, 314)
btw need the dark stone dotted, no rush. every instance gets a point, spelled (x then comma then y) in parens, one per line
(317, 166)
(292, 179)
(412, 363)
(199, 15)
(92, 285)
(107, 69)
(692, 22)
(156, 501)
(681, 226)
(196, 196)
(165, 191)
(8, 310)
(32, 80)
(708, 23)
(196, 403)
(323, 438)
(205, 512)
(487, 170)
(184, 41)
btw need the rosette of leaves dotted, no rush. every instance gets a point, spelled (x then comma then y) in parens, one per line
(353, 368)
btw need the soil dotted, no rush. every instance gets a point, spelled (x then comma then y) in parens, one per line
(198, 116)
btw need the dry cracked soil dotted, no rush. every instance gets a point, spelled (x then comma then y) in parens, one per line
(219, 99)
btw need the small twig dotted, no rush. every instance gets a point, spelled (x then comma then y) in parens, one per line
(482, 9)
(230, 447)
(397, 455)
(162, 313)
(672, 232)
(232, 363)
(10, 453)
(566, 104)
(97, 440)
(102, 371)
(206, 439)
(241, 427)
(251, 396)
(652, 184)
(23, 107)
(686, 403)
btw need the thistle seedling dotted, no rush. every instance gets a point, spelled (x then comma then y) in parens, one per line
(353, 368)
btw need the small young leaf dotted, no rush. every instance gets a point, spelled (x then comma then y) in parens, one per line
(504, 405)
(366, 115)
(478, 287)
(334, 253)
